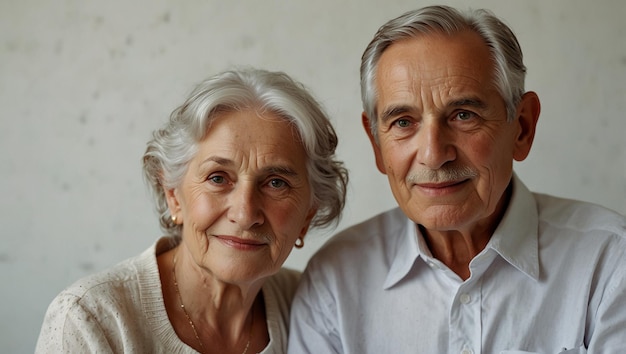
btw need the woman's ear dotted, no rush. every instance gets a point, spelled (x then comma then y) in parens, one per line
(308, 219)
(172, 202)
(377, 153)
(527, 116)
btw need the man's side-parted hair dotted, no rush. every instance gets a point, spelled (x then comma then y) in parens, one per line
(509, 69)
(172, 147)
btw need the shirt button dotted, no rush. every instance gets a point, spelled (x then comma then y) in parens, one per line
(432, 264)
(465, 298)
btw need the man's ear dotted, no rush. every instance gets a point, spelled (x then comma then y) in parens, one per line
(527, 116)
(173, 203)
(380, 164)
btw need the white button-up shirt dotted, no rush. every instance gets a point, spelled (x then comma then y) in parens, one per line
(552, 279)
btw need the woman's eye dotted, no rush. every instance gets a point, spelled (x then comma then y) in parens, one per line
(217, 179)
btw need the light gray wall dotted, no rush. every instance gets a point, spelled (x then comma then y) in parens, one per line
(83, 84)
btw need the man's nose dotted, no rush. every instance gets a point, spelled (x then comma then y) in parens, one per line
(435, 145)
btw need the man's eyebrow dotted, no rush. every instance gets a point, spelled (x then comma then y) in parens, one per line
(394, 111)
(471, 102)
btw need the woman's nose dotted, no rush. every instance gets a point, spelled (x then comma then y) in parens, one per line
(245, 206)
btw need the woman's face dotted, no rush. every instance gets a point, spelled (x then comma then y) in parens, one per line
(245, 198)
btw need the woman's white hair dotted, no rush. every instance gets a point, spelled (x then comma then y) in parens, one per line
(172, 147)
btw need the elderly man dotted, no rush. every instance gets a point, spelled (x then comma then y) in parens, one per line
(471, 261)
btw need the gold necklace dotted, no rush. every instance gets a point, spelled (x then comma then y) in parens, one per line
(193, 326)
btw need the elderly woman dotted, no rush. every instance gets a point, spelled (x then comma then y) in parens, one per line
(239, 173)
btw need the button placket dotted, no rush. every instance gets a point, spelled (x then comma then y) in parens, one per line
(467, 350)
(465, 325)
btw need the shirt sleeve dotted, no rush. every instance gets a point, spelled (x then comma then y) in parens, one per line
(68, 327)
(314, 326)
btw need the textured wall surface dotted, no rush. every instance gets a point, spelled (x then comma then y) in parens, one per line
(84, 83)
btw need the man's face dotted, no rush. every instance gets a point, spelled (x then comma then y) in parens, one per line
(444, 140)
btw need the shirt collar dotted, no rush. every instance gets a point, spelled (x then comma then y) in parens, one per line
(403, 253)
(515, 239)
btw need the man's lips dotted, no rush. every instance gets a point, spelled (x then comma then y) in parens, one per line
(441, 178)
(440, 189)
(439, 185)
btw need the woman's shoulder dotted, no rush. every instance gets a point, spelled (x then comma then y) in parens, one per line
(132, 272)
(278, 292)
(106, 285)
(286, 277)
(106, 308)
(118, 283)
(86, 312)
(282, 284)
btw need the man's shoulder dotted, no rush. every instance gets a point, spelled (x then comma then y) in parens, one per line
(579, 215)
(364, 237)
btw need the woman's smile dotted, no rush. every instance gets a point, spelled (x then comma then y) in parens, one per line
(242, 244)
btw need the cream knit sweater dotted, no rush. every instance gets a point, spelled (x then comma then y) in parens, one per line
(121, 310)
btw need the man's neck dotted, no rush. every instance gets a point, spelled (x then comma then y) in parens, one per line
(457, 248)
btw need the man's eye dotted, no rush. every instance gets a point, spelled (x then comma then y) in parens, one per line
(464, 115)
(277, 183)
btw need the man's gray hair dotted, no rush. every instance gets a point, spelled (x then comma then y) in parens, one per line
(509, 69)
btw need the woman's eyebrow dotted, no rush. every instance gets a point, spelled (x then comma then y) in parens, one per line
(218, 160)
(280, 170)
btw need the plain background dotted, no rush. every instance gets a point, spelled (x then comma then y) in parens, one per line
(84, 83)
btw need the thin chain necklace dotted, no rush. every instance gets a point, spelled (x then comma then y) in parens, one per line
(193, 326)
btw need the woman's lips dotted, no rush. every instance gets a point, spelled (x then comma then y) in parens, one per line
(240, 243)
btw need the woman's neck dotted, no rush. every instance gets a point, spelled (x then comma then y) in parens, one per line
(204, 310)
